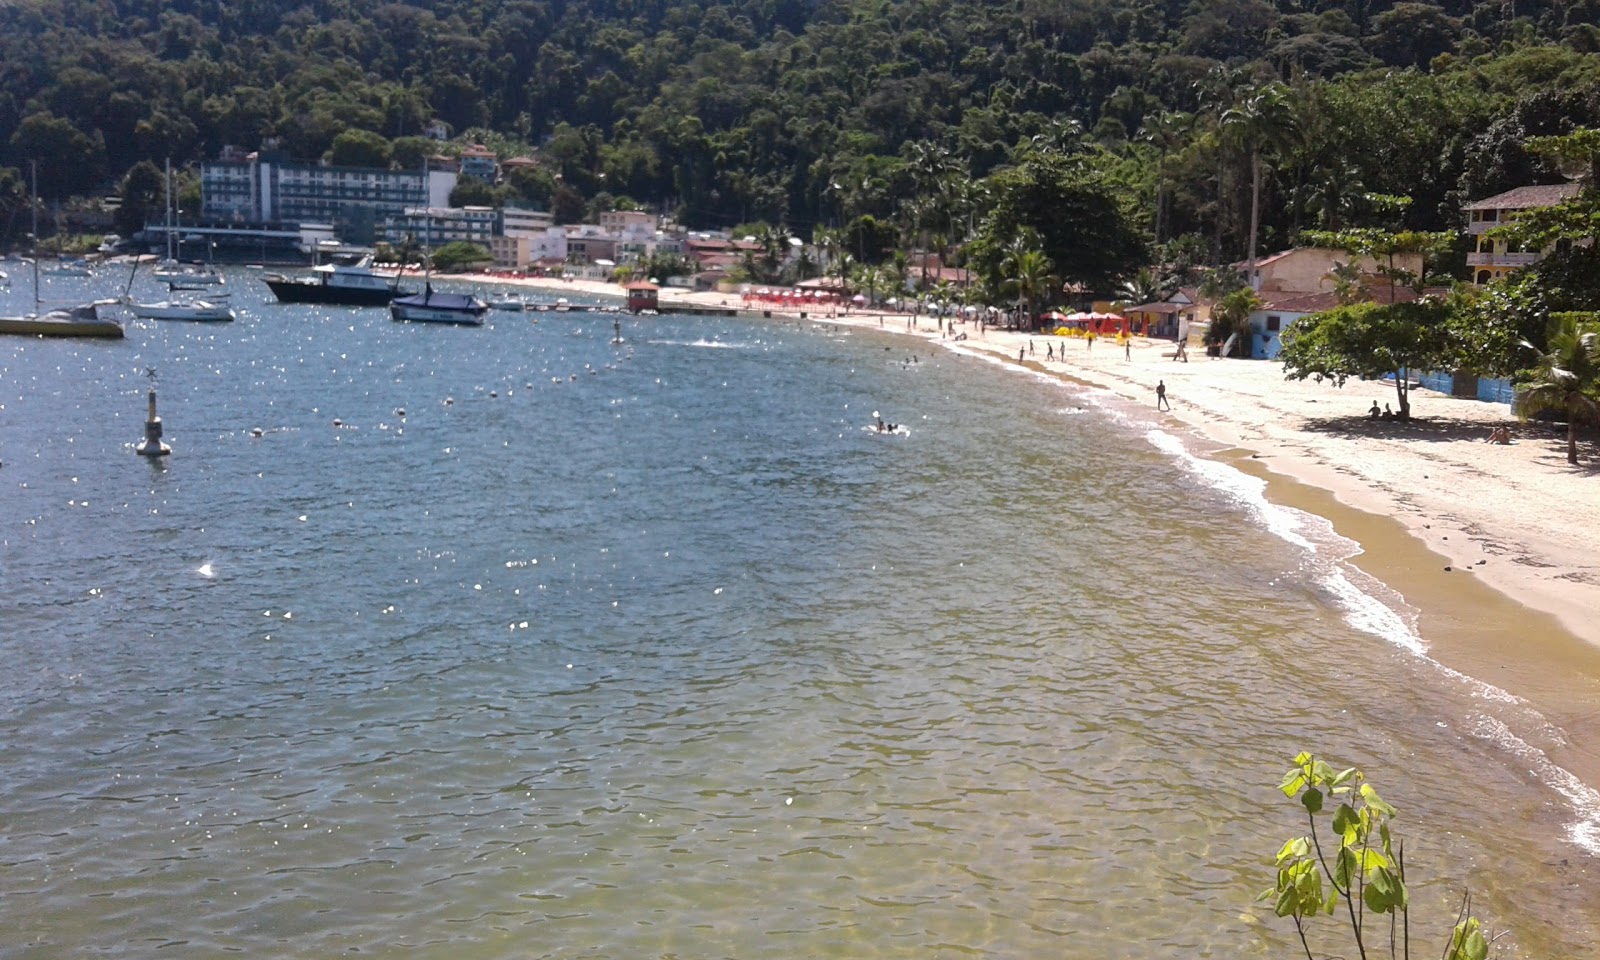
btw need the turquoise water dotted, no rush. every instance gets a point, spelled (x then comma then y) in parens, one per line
(653, 649)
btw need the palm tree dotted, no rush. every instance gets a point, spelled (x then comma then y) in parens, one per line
(1030, 273)
(1261, 122)
(1565, 381)
(1166, 132)
(1142, 288)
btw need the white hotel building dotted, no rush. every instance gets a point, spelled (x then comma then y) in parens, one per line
(267, 187)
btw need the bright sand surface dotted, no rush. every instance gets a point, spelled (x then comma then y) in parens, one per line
(1516, 519)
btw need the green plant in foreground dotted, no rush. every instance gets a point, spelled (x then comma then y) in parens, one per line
(1365, 873)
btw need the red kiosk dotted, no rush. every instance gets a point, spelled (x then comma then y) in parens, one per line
(642, 296)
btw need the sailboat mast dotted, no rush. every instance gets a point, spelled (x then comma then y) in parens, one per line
(33, 208)
(166, 195)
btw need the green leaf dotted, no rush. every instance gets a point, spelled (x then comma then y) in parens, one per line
(1345, 868)
(1312, 799)
(1373, 860)
(1288, 904)
(1475, 947)
(1376, 802)
(1377, 900)
(1292, 782)
(1344, 776)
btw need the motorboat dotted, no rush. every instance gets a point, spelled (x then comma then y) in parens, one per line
(350, 285)
(512, 304)
(205, 311)
(83, 320)
(562, 305)
(431, 307)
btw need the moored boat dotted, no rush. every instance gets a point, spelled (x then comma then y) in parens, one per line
(83, 320)
(207, 311)
(69, 268)
(175, 274)
(431, 307)
(350, 285)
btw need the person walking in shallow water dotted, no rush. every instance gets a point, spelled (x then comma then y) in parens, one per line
(1161, 396)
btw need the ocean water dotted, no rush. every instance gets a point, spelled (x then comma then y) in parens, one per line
(555, 647)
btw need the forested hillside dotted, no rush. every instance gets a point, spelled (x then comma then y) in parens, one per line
(816, 112)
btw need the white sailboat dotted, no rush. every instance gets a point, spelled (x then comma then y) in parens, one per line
(206, 311)
(82, 320)
(176, 275)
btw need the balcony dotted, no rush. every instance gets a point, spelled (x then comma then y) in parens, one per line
(1503, 259)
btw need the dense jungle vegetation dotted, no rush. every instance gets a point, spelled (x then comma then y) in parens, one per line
(1150, 119)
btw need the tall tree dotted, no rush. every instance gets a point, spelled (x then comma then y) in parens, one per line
(1261, 124)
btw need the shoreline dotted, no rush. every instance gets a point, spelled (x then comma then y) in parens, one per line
(1485, 542)
(1521, 531)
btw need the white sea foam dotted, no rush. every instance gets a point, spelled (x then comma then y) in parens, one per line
(706, 344)
(1373, 608)
(1584, 832)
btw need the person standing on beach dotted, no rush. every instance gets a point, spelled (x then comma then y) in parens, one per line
(1049, 351)
(1021, 353)
(1127, 348)
(1161, 396)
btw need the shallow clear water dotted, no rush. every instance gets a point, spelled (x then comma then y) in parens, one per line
(674, 658)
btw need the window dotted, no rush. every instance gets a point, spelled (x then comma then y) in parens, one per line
(1273, 324)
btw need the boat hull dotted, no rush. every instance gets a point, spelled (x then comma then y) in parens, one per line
(198, 313)
(54, 327)
(433, 307)
(417, 313)
(300, 291)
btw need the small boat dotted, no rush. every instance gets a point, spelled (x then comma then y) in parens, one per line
(513, 304)
(175, 274)
(69, 268)
(431, 307)
(205, 311)
(562, 306)
(83, 320)
(349, 285)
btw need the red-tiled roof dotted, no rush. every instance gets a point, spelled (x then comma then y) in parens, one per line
(1527, 198)
(1318, 302)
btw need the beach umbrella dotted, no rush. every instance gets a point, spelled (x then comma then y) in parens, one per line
(858, 298)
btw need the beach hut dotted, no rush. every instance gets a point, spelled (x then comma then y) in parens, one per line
(642, 296)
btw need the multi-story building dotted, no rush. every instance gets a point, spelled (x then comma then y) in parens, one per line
(436, 226)
(479, 161)
(519, 222)
(623, 221)
(268, 187)
(1491, 259)
(588, 243)
(511, 252)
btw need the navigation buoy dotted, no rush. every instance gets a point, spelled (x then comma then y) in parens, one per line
(152, 445)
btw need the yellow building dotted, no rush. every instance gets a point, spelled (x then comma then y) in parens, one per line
(1491, 259)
